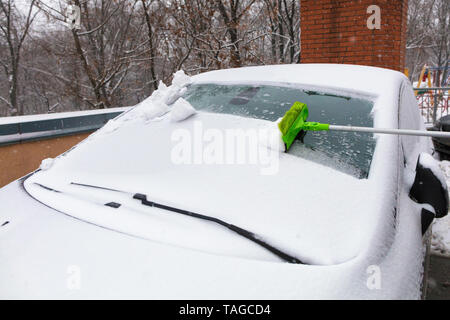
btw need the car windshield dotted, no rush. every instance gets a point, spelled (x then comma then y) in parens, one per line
(348, 152)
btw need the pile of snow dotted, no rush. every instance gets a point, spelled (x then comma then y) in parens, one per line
(46, 164)
(163, 101)
(181, 110)
(429, 162)
(273, 139)
(158, 104)
(440, 243)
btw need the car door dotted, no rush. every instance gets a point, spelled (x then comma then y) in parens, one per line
(425, 186)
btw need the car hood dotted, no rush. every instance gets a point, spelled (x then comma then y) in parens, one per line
(312, 212)
(45, 254)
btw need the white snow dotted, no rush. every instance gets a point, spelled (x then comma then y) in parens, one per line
(110, 126)
(429, 162)
(440, 243)
(154, 109)
(160, 103)
(292, 209)
(181, 110)
(47, 164)
(181, 80)
(327, 78)
(178, 88)
(300, 219)
(318, 214)
(273, 138)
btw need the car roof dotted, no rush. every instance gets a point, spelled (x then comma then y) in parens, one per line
(335, 77)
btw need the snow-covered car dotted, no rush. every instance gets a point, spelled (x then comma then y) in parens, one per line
(156, 204)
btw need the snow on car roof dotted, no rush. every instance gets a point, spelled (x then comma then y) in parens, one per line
(350, 78)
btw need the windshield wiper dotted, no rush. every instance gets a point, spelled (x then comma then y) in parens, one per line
(242, 232)
(314, 93)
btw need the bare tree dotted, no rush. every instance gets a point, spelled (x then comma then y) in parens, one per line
(151, 43)
(105, 47)
(284, 21)
(440, 42)
(232, 12)
(428, 37)
(125, 47)
(14, 28)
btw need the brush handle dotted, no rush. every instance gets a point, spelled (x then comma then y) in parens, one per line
(436, 134)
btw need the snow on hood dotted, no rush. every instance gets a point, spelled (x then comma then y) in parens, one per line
(312, 212)
(297, 209)
(181, 110)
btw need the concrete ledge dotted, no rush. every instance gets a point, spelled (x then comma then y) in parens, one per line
(25, 141)
(37, 127)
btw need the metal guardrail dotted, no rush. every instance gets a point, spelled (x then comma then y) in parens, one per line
(22, 131)
(433, 102)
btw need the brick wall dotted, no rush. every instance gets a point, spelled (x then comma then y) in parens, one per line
(335, 31)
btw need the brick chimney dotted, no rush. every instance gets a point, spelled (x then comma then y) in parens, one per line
(366, 32)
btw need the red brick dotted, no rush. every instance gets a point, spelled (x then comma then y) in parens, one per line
(336, 31)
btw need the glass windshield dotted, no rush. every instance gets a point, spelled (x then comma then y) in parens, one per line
(348, 152)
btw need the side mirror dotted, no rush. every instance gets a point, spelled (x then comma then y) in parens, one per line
(430, 188)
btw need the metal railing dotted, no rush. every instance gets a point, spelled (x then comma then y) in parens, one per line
(433, 103)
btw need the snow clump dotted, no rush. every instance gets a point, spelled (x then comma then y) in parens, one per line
(158, 103)
(46, 164)
(181, 110)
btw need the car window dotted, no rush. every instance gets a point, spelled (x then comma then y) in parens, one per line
(348, 152)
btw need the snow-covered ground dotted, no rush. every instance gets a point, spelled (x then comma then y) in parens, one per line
(440, 243)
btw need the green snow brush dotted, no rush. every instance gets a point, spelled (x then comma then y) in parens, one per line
(294, 126)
